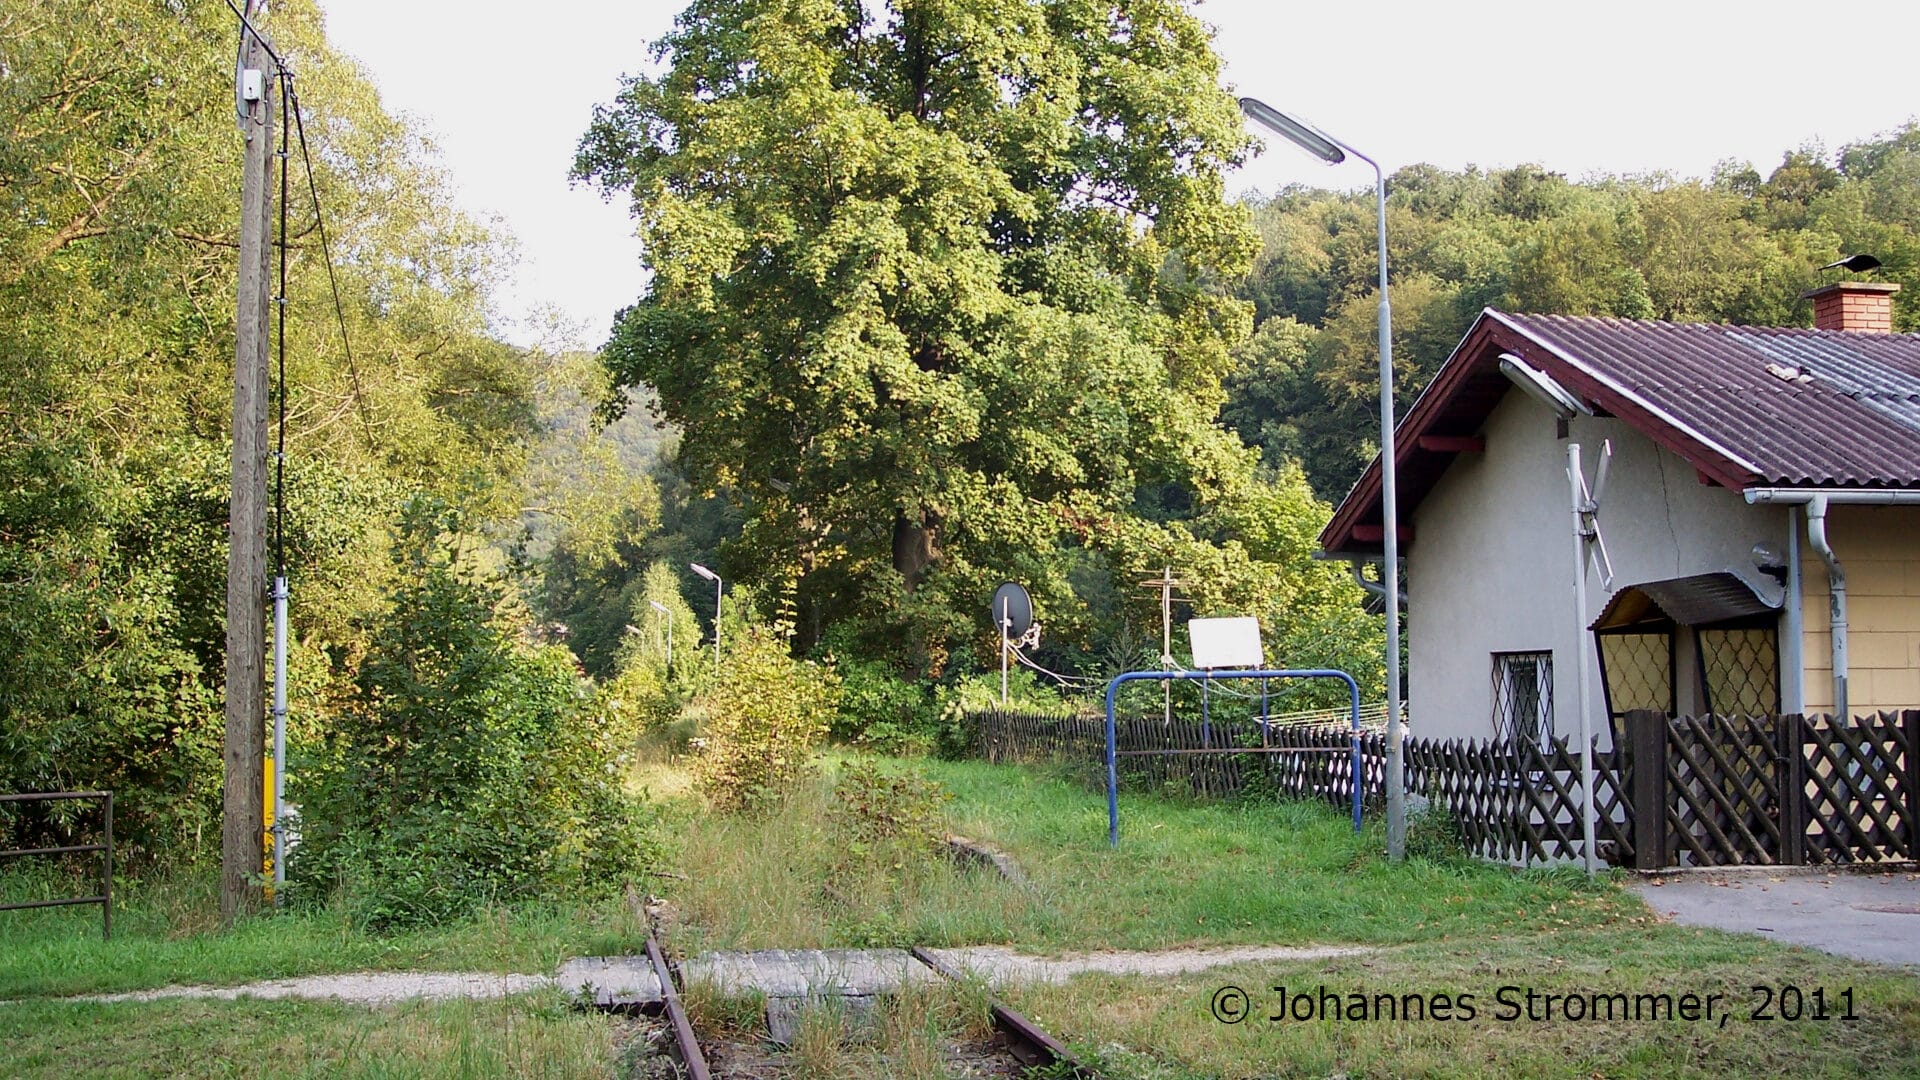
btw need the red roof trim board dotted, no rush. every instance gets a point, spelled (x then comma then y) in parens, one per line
(1687, 388)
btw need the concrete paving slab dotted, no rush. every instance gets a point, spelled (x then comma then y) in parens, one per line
(1866, 916)
(808, 972)
(610, 981)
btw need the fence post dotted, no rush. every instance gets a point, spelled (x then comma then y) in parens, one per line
(106, 877)
(1788, 736)
(1648, 730)
(1910, 720)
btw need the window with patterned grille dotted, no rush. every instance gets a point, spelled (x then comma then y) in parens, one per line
(1636, 668)
(1740, 668)
(1523, 697)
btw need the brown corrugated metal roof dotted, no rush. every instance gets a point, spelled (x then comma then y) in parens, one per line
(1798, 407)
(1746, 406)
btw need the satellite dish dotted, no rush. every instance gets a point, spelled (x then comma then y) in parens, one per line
(1012, 610)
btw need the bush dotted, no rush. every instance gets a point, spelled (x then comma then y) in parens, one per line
(981, 693)
(875, 808)
(765, 715)
(881, 710)
(469, 768)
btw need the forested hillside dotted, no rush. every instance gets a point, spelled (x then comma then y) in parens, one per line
(1734, 247)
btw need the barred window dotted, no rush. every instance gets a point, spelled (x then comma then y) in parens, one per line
(1523, 697)
(1740, 666)
(1636, 669)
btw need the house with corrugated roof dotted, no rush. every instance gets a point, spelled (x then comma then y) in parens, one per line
(1761, 519)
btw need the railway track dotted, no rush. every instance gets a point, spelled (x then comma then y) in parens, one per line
(1016, 1036)
(686, 1048)
(1026, 1041)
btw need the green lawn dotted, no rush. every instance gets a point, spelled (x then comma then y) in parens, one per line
(1186, 874)
(533, 1035)
(1221, 873)
(167, 932)
(1166, 1030)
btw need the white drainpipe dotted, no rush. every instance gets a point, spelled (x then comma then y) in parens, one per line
(1816, 502)
(1836, 599)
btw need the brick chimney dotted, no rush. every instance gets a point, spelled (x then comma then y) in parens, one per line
(1855, 306)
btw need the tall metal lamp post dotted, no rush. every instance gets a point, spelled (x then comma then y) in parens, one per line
(1333, 152)
(667, 617)
(719, 588)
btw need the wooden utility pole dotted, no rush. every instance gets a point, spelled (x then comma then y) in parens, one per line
(242, 830)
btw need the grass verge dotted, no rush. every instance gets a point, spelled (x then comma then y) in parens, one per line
(1167, 1029)
(1186, 873)
(167, 931)
(531, 1035)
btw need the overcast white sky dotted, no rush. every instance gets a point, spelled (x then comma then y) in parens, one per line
(1618, 86)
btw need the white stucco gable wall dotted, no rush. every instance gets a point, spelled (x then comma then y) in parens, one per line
(1490, 569)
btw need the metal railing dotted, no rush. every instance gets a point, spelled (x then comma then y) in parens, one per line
(105, 899)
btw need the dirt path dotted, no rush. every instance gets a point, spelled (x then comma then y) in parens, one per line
(365, 988)
(775, 972)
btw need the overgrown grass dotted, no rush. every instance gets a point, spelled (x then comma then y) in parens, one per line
(1142, 1029)
(531, 1035)
(923, 1031)
(1186, 873)
(167, 931)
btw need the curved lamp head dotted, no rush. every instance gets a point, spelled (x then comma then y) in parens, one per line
(704, 572)
(1297, 132)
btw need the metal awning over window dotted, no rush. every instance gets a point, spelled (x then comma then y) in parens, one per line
(1700, 600)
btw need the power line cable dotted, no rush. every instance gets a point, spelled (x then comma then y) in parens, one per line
(326, 251)
(1069, 681)
(248, 26)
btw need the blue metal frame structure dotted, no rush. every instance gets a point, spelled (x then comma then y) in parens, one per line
(1203, 677)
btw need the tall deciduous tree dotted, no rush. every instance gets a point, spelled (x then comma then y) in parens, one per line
(909, 298)
(119, 165)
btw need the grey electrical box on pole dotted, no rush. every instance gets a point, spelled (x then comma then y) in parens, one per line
(242, 829)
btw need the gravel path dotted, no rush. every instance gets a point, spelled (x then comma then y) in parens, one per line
(366, 988)
(745, 971)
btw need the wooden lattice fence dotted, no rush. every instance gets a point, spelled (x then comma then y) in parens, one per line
(1728, 790)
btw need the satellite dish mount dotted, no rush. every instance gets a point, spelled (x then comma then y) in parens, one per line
(1012, 614)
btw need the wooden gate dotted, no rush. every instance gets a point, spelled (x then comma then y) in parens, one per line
(1773, 790)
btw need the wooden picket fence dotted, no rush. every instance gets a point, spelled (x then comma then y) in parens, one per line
(1729, 790)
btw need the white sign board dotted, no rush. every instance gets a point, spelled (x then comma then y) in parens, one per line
(1225, 643)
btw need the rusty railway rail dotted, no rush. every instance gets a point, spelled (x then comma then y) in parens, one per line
(1026, 1041)
(686, 1047)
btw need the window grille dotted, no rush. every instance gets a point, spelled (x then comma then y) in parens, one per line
(1523, 697)
(1636, 668)
(1741, 669)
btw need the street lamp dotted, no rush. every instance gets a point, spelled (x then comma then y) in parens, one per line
(1333, 152)
(667, 617)
(719, 588)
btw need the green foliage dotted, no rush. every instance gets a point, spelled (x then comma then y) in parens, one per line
(905, 808)
(1734, 248)
(882, 710)
(469, 769)
(764, 717)
(649, 687)
(876, 234)
(117, 279)
(974, 694)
